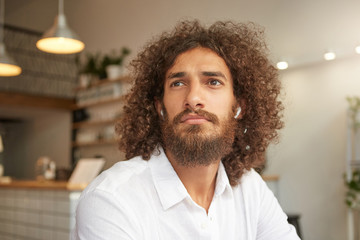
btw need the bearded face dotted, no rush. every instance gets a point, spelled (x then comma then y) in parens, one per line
(198, 108)
(199, 144)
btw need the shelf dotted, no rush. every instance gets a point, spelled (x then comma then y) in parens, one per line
(96, 143)
(86, 124)
(101, 98)
(355, 163)
(49, 185)
(101, 102)
(20, 99)
(104, 82)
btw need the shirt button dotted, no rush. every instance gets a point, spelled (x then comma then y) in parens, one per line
(211, 218)
(204, 225)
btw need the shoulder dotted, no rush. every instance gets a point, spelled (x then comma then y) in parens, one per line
(114, 195)
(121, 174)
(266, 216)
(251, 178)
(252, 187)
(113, 202)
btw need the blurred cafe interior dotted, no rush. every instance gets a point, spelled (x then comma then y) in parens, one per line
(59, 106)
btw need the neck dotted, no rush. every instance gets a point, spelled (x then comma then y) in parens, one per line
(199, 181)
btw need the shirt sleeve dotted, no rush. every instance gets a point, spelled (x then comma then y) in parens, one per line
(272, 221)
(100, 216)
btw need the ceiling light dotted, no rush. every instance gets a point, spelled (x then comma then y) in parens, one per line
(357, 49)
(282, 65)
(329, 56)
(60, 39)
(8, 67)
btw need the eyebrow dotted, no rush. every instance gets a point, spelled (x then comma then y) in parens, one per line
(214, 74)
(207, 74)
(176, 75)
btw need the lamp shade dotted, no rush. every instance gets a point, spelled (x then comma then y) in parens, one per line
(8, 67)
(60, 39)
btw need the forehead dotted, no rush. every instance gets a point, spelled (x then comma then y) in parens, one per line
(201, 59)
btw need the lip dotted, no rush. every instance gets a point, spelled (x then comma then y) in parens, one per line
(193, 119)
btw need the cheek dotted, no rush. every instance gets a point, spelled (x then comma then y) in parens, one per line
(173, 105)
(171, 113)
(222, 106)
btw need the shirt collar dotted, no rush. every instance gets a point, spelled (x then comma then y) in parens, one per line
(222, 182)
(168, 185)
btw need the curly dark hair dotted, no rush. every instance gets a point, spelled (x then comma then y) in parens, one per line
(256, 83)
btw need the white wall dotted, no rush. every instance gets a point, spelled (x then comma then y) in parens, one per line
(311, 155)
(50, 135)
(45, 132)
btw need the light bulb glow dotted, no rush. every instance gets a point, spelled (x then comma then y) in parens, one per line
(329, 56)
(357, 49)
(9, 70)
(282, 65)
(60, 45)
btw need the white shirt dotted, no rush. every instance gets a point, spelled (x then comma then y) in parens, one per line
(138, 199)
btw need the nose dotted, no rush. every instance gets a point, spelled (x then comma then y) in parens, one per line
(194, 97)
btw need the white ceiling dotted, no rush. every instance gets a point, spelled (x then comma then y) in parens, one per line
(298, 31)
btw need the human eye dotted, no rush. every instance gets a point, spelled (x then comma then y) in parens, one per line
(214, 82)
(176, 84)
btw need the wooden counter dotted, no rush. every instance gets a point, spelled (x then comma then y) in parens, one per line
(60, 185)
(46, 185)
(270, 178)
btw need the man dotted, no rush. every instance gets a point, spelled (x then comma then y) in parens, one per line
(199, 117)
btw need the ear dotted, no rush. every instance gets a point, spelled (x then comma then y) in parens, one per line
(158, 106)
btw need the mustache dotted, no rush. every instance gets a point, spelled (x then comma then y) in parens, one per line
(210, 116)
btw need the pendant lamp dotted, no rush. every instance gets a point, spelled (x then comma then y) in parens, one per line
(60, 39)
(8, 67)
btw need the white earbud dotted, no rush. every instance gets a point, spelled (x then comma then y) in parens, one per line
(162, 113)
(238, 112)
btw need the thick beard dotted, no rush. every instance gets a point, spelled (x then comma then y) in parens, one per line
(194, 145)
